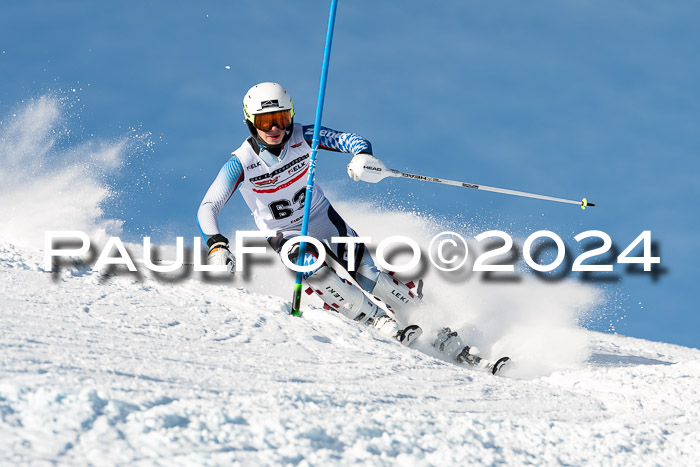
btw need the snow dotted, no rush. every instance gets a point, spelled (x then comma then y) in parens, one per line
(139, 368)
(118, 370)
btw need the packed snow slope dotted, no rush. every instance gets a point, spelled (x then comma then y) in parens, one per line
(122, 369)
(138, 368)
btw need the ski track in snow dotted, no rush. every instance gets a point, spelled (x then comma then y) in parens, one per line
(114, 370)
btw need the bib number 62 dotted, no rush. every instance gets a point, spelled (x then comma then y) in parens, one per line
(284, 208)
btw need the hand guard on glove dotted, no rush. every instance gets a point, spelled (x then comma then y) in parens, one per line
(367, 168)
(219, 255)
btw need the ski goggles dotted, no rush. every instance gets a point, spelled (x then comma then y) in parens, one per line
(265, 122)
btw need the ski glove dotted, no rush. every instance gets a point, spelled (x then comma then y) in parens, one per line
(219, 255)
(367, 168)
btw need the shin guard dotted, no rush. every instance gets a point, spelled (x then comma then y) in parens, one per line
(398, 296)
(347, 299)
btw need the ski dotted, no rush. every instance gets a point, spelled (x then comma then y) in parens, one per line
(450, 344)
(409, 334)
(500, 363)
(468, 357)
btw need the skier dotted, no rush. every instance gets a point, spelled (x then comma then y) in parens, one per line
(270, 169)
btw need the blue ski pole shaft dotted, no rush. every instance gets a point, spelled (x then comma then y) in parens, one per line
(296, 299)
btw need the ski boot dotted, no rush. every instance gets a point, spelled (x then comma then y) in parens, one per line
(450, 344)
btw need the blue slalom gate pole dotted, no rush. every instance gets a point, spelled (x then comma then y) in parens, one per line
(296, 300)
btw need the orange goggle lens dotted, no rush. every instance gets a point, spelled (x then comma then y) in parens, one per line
(281, 120)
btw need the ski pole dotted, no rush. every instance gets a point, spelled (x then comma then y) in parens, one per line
(396, 173)
(296, 299)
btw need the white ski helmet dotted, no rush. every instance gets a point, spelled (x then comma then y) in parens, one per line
(266, 98)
